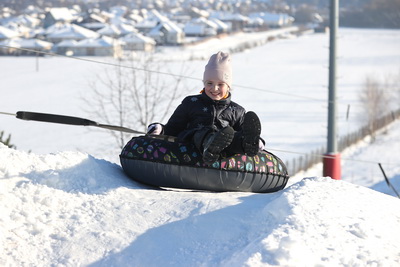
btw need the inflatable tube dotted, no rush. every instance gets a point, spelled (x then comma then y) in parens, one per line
(162, 163)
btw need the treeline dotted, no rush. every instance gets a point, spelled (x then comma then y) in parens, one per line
(373, 14)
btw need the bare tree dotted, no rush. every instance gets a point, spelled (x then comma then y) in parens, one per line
(135, 93)
(393, 82)
(374, 99)
(7, 141)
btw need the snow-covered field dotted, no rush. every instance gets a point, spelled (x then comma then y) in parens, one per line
(67, 203)
(284, 81)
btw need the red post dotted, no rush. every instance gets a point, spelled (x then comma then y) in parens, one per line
(332, 166)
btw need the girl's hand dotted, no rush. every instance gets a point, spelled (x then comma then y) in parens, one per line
(155, 128)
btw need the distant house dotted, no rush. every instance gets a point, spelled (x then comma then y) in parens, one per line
(236, 21)
(9, 47)
(135, 17)
(21, 29)
(32, 10)
(65, 47)
(25, 20)
(167, 33)
(256, 23)
(195, 12)
(138, 42)
(150, 21)
(200, 27)
(118, 11)
(60, 14)
(110, 30)
(30, 44)
(102, 46)
(61, 32)
(93, 22)
(126, 28)
(6, 33)
(273, 20)
(146, 25)
(161, 29)
(222, 27)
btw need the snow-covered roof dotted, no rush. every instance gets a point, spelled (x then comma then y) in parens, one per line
(11, 42)
(136, 17)
(200, 26)
(94, 25)
(137, 38)
(26, 20)
(102, 41)
(31, 9)
(225, 16)
(120, 20)
(53, 28)
(204, 21)
(67, 43)
(152, 19)
(106, 14)
(71, 31)
(118, 11)
(126, 28)
(94, 17)
(219, 23)
(168, 25)
(6, 33)
(200, 12)
(21, 29)
(191, 28)
(110, 29)
(38, 31)
(276, 18)
(146, 24)
(30, 43)
(156, 15)
(61, 14)
(35, 43)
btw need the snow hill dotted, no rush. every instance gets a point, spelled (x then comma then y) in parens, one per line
(63, 202)
(71, 209)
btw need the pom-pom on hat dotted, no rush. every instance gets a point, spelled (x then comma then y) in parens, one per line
(219, 68)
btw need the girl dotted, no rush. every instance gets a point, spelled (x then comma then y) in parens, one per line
(211, 120)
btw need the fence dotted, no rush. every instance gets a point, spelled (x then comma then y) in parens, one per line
(306, 161)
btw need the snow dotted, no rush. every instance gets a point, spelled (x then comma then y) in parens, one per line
(6, 33)
(103, 41)
(65, 201)
(137, 38)
(62, 13)
(71, 209)
(72, 31)
(360, 162)
(30, 43)
(110, 30)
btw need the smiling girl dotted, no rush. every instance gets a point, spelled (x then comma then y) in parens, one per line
(211, 120)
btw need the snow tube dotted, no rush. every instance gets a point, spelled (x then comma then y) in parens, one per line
(162, 163)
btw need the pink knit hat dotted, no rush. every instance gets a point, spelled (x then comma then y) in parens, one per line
(219, 68)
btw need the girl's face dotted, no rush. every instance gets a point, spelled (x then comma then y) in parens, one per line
(215, 89)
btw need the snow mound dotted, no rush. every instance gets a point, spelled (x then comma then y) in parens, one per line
(67, 171)
(71, 209)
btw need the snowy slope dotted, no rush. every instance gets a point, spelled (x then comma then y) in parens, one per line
(70, 209)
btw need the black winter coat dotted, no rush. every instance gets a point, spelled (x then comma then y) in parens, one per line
(199, 111)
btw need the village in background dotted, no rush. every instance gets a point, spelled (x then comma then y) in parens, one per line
(112, 28)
